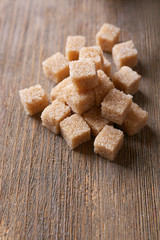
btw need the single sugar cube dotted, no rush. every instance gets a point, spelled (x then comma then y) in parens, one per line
(108, 142)
(78, 102)
(125, 54)
(95, 121)
(95, 53)
(107, 67)
(54, 114)
(136, 119)
(34, 99)
(57, 91)
(104, 86)
(73, 46)
(127, 80)
(56, 67)
(116, 105)
(75, 130)
(107, 36)
(83, 74)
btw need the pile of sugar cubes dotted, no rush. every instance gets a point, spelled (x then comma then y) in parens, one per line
(85, 101)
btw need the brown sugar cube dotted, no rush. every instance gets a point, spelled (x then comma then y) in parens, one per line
(136, 119)
(116, 105)
(127, 80)
(33, 99)
(75, 130)
(73, 46)
(107, 36)
(78, 102)
(57, 91)
(104, 86)
(107, 67)
(95, 121)
(125, 54)
(95, 53)
(56, 67)
(54, 114)
(83, 74)
(108, 142)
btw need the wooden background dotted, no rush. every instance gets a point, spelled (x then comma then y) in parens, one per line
(48, 191)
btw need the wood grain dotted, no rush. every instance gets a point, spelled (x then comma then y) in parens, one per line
(48, 191)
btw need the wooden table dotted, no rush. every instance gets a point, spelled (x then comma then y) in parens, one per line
(48, 191)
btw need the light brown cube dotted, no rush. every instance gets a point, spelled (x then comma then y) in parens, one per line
(116, 105)
(125, 54)
(108, 142)
(75, 130)
(54, 114)
(107, 67)
(83, 74)
(95, 121)
(57, 91)
(95, 53)
(127, 80)
(104, 86)
(33, 99)
(78, 102)
(107, 36)
(56, 67)
(136, 119)
(73, 46)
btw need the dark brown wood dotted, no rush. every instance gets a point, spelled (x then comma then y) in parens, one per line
(48, 191)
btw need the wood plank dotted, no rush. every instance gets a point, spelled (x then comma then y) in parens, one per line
(48, 191)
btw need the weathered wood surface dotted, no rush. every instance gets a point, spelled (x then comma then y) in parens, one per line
(48, 191)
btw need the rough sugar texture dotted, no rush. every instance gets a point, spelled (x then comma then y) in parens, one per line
(57, 91)
(107, 37)
(83, 74)
(106, 67)
(116, 105)
(127, 80)
(108, 142)
(73, 46)
(78, 102)
(104, 86)
(125, 54)
(95, 53)
(75, 130)
(56, 67)
(54, 114)
(33, 99)
(136, 119)
(95, 121)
